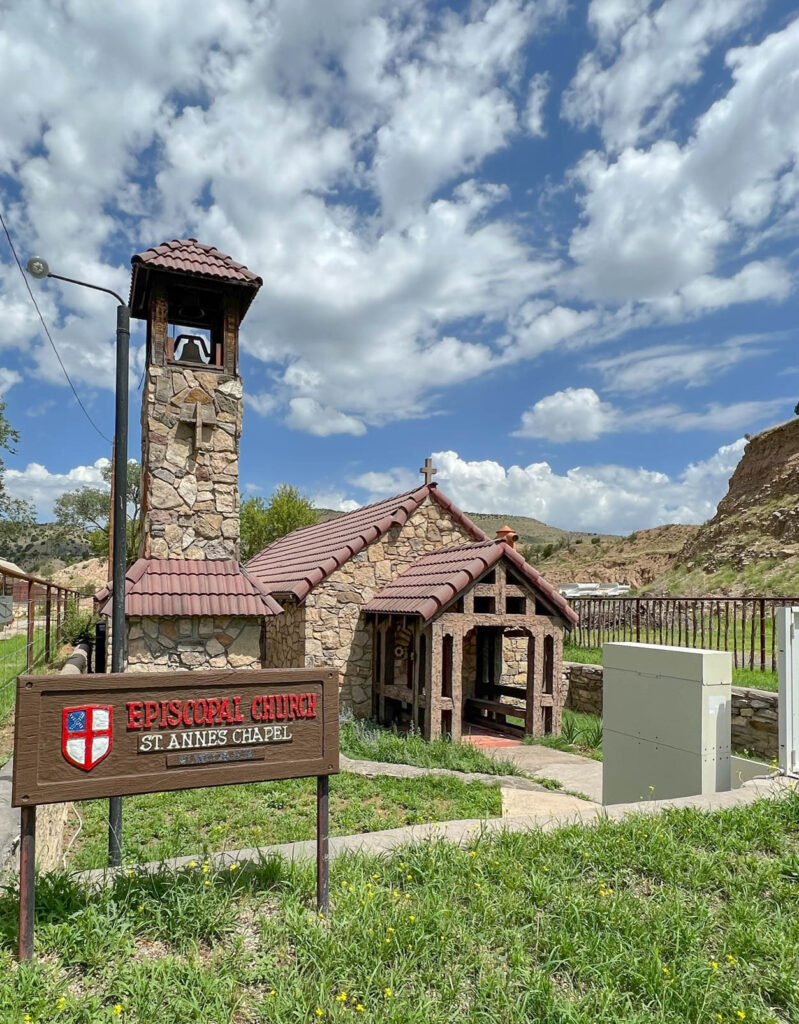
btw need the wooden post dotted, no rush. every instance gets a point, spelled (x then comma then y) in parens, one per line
(29, 648)
(27, 881)
(48, 608)
(456, 668)
(529, 701)
(638, 620)
(322, 843)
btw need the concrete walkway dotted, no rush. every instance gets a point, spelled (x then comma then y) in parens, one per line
(579, 774)
(461, 832)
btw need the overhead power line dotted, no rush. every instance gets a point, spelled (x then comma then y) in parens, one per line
(47, 332)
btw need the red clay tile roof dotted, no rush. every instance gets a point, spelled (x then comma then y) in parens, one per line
(188, 256)
(174, 586)
(296, 563)
(437, 578)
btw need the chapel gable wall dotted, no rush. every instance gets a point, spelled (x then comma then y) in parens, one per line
(336, 632)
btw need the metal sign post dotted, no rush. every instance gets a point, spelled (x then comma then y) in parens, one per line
(788, 672)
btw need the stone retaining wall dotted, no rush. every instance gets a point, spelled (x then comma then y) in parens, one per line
(754, 712)
(583, 687)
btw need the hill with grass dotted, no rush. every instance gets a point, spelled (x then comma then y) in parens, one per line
(532, 532)
(639, 559)
(43, 548)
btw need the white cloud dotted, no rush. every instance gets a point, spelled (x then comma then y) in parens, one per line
(334, 500)
(642, 370)
(608, 498)
(391, 481)
(575, 414)
(8, 378)
(578, 414)
(536, 98)
(321, 421)
(262, 403)
(658, 221)
(631, 84)
(37, 484)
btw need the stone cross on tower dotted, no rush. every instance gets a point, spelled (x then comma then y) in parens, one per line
(428, 471)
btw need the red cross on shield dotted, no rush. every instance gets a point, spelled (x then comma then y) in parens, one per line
(87, 734)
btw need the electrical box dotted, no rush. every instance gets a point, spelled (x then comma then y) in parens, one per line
(667, 720)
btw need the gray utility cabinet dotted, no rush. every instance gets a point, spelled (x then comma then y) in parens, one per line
(666, 717)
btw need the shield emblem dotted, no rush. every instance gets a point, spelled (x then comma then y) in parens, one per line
(86, 734)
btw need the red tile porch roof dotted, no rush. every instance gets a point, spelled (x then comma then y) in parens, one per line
(188, 256)
(439, 577)
(296, 563)
(166, 587)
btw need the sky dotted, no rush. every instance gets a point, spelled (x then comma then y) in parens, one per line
(552, 244)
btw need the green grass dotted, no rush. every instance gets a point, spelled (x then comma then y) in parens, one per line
(580, 734)
(364, 740)
(682, 918)
(12, 663)
(740, 676)
(165, 825)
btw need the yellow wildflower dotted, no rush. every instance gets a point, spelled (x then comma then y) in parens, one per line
(375, 876)
(359, 1007)
(409, 878)
(273, 992)
(208, 881)
(714, 964)
(205, 869)
(390, 929)
(407, 895)
(341, 997)
(412, 917)
(741, 1015)
(234, 867)
(192, 863)
(319, 1012)
(118, 1010)
(387, 993)
(27, 1017)
(473, 853)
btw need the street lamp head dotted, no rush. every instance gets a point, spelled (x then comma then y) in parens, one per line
(37, 267)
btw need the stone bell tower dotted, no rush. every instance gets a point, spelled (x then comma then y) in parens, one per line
(193, 298)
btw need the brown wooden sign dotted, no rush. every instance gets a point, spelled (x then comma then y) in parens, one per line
(84, 737)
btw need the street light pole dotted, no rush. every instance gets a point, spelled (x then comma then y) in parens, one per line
(38, 268)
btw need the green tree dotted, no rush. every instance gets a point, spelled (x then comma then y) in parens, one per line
(89, 508)
(263, 522)
(12, 510)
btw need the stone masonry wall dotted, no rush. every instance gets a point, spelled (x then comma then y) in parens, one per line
(193, 643)
(583, 687)
(285, 637)
(754, 712)
(755, 718)
(337, 633)
(190, 496)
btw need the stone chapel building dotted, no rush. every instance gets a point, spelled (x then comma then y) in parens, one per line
(430, 622)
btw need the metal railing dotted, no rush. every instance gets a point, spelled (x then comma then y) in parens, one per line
(32, 613)
(744, 626)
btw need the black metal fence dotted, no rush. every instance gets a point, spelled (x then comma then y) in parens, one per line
(744, 626)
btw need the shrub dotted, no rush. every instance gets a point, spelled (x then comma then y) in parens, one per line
(78, 626)
(596, 540)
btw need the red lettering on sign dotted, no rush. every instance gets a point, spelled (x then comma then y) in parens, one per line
(173, 718)
(311, 705)
(213, 709)
(269, 708)
(151, 711)
(257, 709)
(239, 717)
(189, 704)
(134, 714)
(293, 710)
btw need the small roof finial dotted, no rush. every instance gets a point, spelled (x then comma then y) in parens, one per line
(428, 471)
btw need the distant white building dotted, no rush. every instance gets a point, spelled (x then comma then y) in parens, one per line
(569, 590)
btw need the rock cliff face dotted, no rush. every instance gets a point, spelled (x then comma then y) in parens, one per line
(758, 519)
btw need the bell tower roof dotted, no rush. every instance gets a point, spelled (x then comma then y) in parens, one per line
(188, 257)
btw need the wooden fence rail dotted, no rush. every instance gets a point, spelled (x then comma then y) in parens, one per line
(745, 626)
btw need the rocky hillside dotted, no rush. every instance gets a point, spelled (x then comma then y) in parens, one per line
(751, 545)
(43, 548)
(638, 559)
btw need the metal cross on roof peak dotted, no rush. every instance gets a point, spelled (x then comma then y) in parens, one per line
(428, 471)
